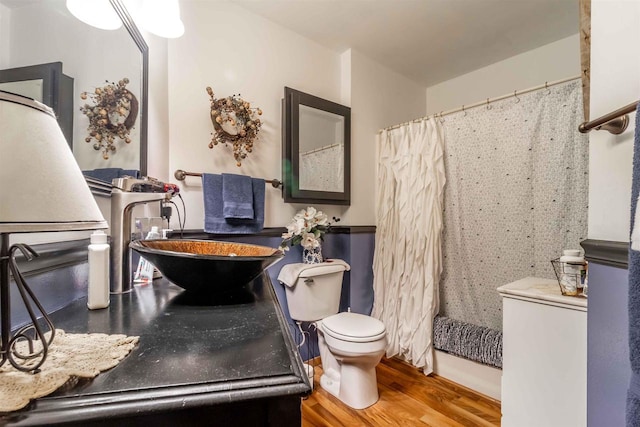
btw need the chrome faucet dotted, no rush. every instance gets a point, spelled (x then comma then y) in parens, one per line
(125, 194)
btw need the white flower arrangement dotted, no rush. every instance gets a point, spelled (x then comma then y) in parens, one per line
(306, 229)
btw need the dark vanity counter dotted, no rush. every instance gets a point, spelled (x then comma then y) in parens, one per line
(200, 361)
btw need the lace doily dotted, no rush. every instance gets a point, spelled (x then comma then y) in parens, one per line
(71, 356)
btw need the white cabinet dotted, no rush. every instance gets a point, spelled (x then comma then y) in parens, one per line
(544, 359)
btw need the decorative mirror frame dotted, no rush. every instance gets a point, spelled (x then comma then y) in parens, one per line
(135, 34)
(291, 149)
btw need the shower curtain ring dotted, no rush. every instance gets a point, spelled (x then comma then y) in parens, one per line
(441, 118)
(515, 93)
(489, 107)
(546, 86)
(463, 111)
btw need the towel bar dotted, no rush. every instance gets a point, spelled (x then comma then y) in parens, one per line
(615, 122)
(181, 175)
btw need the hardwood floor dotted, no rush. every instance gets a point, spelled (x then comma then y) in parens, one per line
(407, 398)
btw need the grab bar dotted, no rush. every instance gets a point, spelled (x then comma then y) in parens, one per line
(181, 175)
(615, 122)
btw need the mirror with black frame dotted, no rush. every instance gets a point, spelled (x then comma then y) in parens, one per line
(53, 57)
(316, 150)
(45, 83)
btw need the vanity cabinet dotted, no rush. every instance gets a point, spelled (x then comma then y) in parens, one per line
(229, 361)
(544, 372)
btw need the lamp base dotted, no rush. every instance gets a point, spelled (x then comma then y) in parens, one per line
(27, 348)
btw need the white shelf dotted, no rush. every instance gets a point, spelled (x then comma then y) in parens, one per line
(543, 291)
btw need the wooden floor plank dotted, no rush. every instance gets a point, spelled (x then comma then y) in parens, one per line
(413, 412)
(433, 418)
(442, 405)
(311, 419)
(345, 415)
(473, 418)
(435, 393)
(419, 384)
(462, 390)
(407, 398)
(489, 413)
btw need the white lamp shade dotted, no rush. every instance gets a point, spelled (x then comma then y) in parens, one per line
(97, 13)
(42, 187)
(161, 17)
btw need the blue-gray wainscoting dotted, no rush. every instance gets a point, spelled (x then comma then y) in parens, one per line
(57, 277)
(60, 275)
(608, 366)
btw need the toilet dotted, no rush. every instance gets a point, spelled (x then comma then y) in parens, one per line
(351, 344)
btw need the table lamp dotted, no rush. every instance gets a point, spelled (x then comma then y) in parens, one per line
(42, 190)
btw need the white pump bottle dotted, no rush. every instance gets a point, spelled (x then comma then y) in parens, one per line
(98, 292)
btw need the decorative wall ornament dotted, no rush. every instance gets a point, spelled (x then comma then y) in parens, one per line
(112, 115)
(234, 122)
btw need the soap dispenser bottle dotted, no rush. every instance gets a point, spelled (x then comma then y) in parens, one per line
(98, 292)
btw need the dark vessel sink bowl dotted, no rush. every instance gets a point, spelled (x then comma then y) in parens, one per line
(207, 266)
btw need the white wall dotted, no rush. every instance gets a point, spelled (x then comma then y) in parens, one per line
(554, 61)
(379, 98)
(158, 113)
(257, 59)
(615, 82)
(4, 36)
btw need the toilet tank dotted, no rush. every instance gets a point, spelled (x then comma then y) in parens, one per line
(316, 293)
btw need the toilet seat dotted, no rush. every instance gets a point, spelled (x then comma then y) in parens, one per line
(353, 327)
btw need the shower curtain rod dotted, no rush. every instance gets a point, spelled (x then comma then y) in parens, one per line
(326, 147)
(481, 103)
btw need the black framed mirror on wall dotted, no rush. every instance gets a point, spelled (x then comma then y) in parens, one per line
(316, 149)
(55, 58)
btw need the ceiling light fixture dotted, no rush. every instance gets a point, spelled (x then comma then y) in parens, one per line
(97, 13)
(161, 17)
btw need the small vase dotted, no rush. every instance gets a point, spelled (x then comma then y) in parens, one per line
(312, 256)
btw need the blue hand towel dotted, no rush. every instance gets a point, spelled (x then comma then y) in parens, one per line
(237, 196)
(214, 220)
(104, 174)
(633, 396)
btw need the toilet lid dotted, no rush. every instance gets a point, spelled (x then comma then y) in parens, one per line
(353, 327)
(313, 270)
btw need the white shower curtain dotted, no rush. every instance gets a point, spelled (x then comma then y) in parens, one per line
(408, 253)
(516, 196)
(323, 169)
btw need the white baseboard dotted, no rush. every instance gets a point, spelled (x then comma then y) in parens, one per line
(484, 379)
